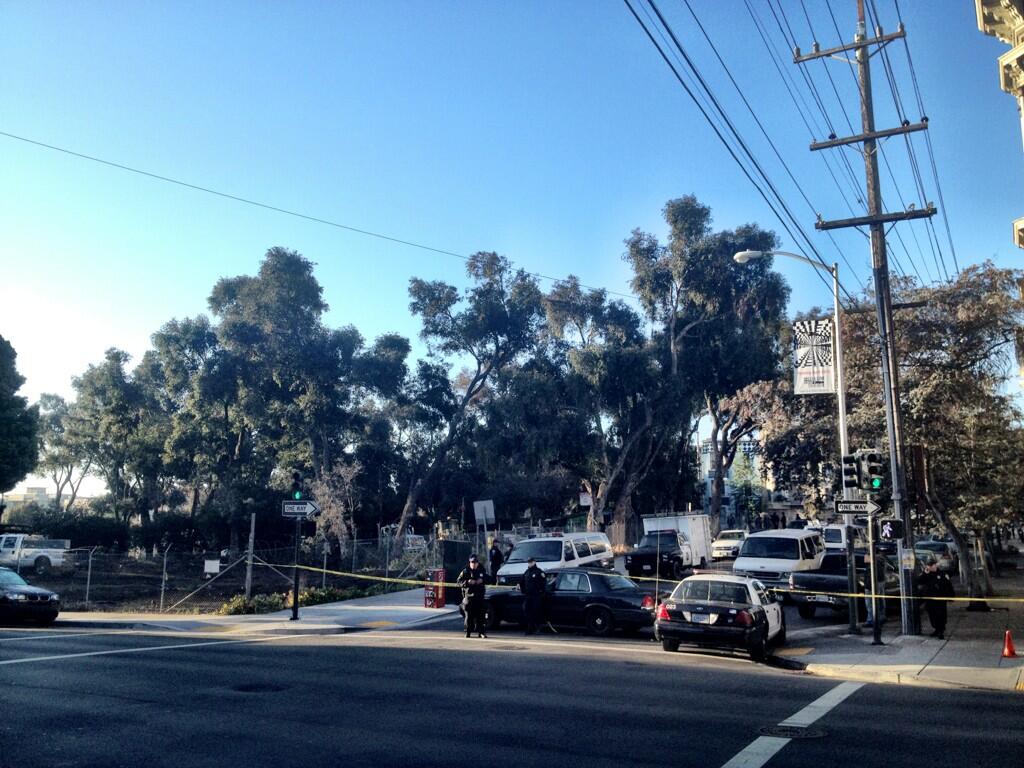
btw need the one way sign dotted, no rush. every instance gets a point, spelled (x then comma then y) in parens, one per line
(301, 509)
(865, 507)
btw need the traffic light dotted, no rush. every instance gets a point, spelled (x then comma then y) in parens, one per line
(851, 471)
(873, 469)
(297, 493)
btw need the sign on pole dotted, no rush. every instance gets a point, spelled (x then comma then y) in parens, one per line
(865, 507)
(813, 359)
(300, 509)
(484, 512)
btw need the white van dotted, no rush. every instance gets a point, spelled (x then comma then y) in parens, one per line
(568, 550)
(835, 537)
(771, 556)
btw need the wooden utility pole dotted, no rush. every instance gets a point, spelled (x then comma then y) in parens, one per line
(876, 221)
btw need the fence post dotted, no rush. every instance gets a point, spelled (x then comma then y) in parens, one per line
(387, 562)
(323, 576)
(163, 579)
(88, 576)
(248, 554)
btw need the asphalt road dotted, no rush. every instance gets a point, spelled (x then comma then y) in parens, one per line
(419, 698)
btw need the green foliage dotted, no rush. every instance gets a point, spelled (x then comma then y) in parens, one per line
(238, 605)
(19, 423)
(84, 529)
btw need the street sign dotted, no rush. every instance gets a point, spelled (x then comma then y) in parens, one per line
(299, 509)
(865, 507)
(484, 512)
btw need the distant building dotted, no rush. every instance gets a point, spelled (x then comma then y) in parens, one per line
(32, 495)
(1004, 20)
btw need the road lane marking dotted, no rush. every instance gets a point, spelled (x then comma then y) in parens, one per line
(144, 649)
(764, 748)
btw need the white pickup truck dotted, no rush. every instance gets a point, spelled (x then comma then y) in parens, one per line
(21, 551)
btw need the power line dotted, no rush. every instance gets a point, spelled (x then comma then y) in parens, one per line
(764, 132)
(720, 135)
(276, 209)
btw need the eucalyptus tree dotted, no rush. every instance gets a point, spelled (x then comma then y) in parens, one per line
(19, 423)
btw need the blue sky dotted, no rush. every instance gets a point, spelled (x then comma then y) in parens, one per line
(545, 131)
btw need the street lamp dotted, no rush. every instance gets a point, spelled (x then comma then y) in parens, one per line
(742, 257)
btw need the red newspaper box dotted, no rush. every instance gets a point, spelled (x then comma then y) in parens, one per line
(433, 593)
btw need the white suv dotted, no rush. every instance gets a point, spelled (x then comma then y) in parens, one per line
(727, 544)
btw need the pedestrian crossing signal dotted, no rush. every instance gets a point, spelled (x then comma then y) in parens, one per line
(890, 529)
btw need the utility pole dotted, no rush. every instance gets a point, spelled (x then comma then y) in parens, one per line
(876, 221)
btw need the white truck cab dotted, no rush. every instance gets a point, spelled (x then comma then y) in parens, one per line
(21, 551)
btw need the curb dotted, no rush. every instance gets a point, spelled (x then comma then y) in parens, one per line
(889, 677)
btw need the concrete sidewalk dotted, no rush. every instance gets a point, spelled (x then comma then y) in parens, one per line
(387, 611)
(969, 657)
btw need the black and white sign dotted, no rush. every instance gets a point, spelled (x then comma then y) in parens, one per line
(865, 507)
(813, 359)
(301, 509)
(484, 512)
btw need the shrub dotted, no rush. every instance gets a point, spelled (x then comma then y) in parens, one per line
(238, 605)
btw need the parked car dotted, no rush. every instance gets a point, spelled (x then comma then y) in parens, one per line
(21, 551)
(20, 601)
(552, 553)
(771, 556)
(945, 555)
(576, 597)
(831, 577)
(727, 544)
(835, 537)
(721, 611)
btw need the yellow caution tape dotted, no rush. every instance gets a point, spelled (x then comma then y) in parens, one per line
(424, 583)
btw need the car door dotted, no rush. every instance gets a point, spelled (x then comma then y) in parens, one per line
(8, 547)
(771, 608)
(569, 598)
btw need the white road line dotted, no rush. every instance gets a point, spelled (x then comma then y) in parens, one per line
(147, 648)
(764, 748)
(59, 635)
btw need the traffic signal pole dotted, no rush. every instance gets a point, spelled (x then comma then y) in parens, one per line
(876, 221)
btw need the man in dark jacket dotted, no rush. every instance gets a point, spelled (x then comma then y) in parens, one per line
(472, 580)
(532, 584)
(496, 559)
(933, 583)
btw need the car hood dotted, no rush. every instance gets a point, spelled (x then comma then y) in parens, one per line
(651, 551)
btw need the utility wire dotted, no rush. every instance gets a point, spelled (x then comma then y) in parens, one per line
(764, 132)
(722, 137)
(276, 209)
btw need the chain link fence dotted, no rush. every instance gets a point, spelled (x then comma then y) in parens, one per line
(201, 582)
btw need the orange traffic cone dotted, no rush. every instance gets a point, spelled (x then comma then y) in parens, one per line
(1008, 650)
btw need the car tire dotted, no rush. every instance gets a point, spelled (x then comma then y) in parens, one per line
(492, 618)
(758, 650)
(42, 565)
(669, 645)
(600, 622)
(678, 570)
(806, 611)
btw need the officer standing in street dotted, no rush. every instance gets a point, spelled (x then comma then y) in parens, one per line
(496, 558)
(472, 580)
(933, 583)
(532, 585)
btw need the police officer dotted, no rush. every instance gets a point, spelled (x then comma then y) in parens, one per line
(933, 583)
(496, 558)
(472, 580)
(532, 584)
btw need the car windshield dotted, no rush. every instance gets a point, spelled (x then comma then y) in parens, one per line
(11, 579)
(731, 535)
(615, 582)
(718, 591)
(932, 546)
(548, 550)
(771, 547)
(833, 536)
(656, 540)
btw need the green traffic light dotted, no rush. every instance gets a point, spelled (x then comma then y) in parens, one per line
(297, 495)
(876, 482)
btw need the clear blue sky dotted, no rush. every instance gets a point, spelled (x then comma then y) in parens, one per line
(546, 131)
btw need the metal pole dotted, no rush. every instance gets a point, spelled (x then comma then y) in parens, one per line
(323, 576)
(883, 301)
(876, 625)
(387, 561)
(88, 576)
(295, 571)
(844, 448)
(163, 578)
(249, 552)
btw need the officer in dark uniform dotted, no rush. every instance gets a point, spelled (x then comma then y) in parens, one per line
(496, 558)
(934, 583)
(472, 580)
(532, 585)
